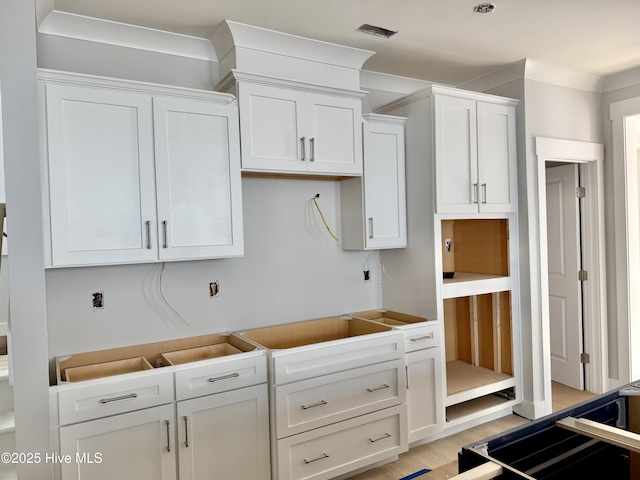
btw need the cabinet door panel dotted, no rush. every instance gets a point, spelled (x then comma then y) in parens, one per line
(384, 186)
(100, 146)
(496, 158)
(425, 394)
(456, 155)
(225, 436)
(272, 124)
(132, 446)
(198, 179)
(334, 131)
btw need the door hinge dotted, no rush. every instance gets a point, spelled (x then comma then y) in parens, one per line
(584, 358)
(581, 192)
(582, 276)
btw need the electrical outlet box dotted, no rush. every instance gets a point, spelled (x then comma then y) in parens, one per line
(97, 299)
(214, 289)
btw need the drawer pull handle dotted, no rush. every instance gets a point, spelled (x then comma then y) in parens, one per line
(381, 387)
(168, 435)
(223, 377)
(324, 455)
(374, 440)
(116, 399)
(317, 404)
(186, 431)
(424, 337)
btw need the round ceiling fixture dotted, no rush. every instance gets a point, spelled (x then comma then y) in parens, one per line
(484, 8)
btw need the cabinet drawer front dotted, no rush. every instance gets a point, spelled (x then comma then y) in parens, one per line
(422, 337)
(101, 399)
(321, 401)
(336, 356)
(331, 451)
(221, 375)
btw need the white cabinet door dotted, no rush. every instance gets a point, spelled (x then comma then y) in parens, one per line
(496, 158)
(131, 446)
(425, 393)
(456, 155)
(384, 186)
(101, 186)
(225, 436)
(198, 179)
(272, 125)
(333, 128)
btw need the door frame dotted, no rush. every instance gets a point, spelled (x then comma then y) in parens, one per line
(590, 157)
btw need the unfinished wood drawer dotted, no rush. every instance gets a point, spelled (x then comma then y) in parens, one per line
(107, 369)
(321, 401)
(319, 347)
(343, 447)
(103, 397)
(221, 374)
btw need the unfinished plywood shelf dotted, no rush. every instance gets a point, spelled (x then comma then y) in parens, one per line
(388, 317)
(107, 369)
(464, 411)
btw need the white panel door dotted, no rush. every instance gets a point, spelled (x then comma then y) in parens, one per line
(225, 436)
(131, 446)
(272, 125)
(334, 131)
(565, 298)
(425, 393)
(101, 180)
(198, 179)
(384, 186)
(496, 158)
(456, 155)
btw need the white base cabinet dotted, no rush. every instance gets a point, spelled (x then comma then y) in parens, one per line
(225, 436)
(138, 173)
(133, 446)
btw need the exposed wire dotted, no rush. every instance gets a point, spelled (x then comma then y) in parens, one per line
(315, 200)
(165, 298)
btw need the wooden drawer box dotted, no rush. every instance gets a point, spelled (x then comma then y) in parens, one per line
(319, 347)
(100, 398)
(340, 448)
(221, 374)
(320, 401)
(419, 332)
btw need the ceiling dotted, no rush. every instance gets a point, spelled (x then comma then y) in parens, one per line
(441, 41)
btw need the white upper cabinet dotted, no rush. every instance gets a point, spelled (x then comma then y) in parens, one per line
(475, 153)
(293, 131)
(374, 207)
(133, 175)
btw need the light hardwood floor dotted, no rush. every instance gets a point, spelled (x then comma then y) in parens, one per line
(441, 455)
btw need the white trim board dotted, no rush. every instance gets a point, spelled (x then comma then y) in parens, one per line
(590, 156)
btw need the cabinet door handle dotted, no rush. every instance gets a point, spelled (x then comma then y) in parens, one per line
(186, 431)
(223, 377)
(484, 193)
(324, 455)
(168, 424)
(374, 440)
(475, 191)
(370, 227)
(381, 387)
(148, 226)
(164, 234)
(423, 337)
(406, 375)
(116, 399)
(303, 148)
(317, 404)
(312, 144)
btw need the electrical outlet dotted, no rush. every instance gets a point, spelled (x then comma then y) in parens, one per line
(97, 299)
(367, 275)
(214, 289)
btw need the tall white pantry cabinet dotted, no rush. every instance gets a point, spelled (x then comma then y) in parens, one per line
(460, 265)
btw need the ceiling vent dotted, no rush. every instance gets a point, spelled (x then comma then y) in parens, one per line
(377, 31)
(484, 8)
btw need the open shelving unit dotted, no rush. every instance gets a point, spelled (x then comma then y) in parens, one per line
(477, 306)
